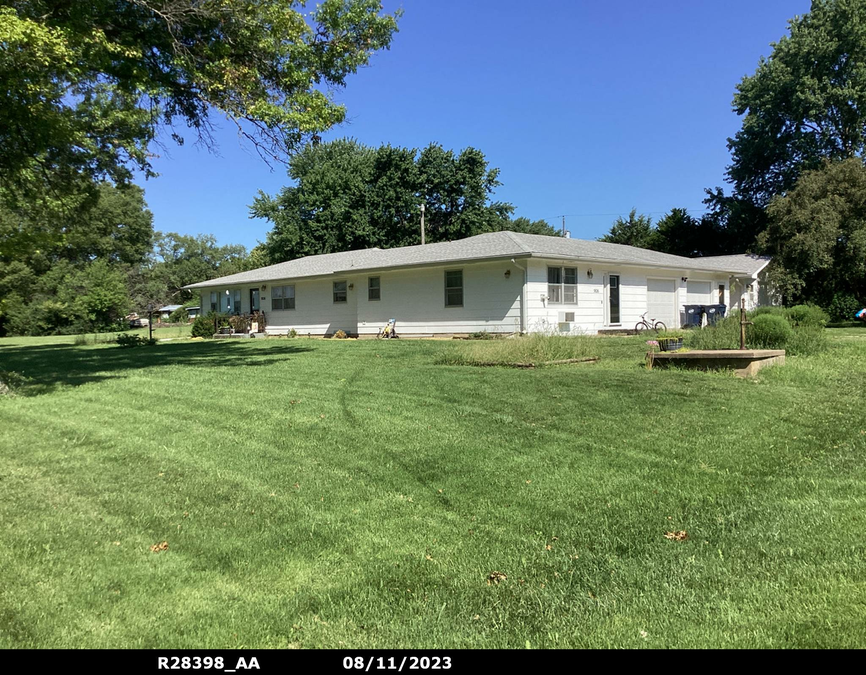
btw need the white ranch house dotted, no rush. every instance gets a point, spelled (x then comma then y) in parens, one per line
(500, 282)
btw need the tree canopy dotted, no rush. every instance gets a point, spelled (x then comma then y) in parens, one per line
(65, 269)
(349, 196)
(88, 83)
(817, 234)
(805, 103)
(636, 230)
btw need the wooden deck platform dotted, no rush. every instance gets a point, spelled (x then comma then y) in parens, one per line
(744, 362)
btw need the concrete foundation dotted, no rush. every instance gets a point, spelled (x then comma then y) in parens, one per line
(744, 362)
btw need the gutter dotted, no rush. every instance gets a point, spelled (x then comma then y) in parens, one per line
(220, 282)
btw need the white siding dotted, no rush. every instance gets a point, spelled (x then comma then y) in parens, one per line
(416, 299)
(492, 296)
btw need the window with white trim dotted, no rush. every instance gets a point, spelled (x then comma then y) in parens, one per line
(341, 292)
(374, 288)
(562, 285)
(214, 301)
(282, 297)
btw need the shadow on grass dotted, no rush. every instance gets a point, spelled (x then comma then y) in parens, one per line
(40, 369)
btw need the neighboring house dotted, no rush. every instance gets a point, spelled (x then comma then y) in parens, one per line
(165, 312)
(500, 282)
(193, 312)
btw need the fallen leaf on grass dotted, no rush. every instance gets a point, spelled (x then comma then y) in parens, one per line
(495, 578)
(159, 548)
(679, 535)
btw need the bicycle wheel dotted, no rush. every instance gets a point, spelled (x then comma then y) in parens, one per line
(659, 326)
(642, 325)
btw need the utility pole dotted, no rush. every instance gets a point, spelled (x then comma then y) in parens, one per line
(422, 223)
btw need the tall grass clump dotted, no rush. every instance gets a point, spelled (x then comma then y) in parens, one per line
(529, 350)
(798, 330)
(725, 334)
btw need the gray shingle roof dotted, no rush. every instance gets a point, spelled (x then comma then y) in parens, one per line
(746, 263)
(480, 247)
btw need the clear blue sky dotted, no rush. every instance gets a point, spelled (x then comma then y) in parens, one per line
(588, 108)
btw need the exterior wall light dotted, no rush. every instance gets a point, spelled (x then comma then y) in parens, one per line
(507, 274)
(589, 274)
(684, 279)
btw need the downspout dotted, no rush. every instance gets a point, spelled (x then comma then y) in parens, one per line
(522, 295)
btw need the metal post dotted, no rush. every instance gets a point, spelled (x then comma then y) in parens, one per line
(743, 323)
(422, 224)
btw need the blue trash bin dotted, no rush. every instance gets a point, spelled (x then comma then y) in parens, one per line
(694, 316)
(715, 313)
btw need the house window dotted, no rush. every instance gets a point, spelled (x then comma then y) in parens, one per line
(562, 285)
(374, 288)
(341, 291)
(454, 288)
(214, 301)
(230, 302)
(282, 297)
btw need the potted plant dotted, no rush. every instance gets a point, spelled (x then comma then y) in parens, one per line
(670, 340)
(238, 323)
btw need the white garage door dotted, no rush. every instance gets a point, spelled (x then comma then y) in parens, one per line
(699, 293)
(661, 301)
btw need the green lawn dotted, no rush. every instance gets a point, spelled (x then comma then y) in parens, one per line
(356, 494)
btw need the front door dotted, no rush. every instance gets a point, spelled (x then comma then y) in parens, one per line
(613, 314)
(254, 300)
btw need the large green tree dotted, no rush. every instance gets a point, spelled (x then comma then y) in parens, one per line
(805, 103)
(87, 84)
(817, 235)
(64, 264)
(636, 230)
(348, 196)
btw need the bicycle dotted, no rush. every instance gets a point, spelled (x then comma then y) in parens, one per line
(652, 324)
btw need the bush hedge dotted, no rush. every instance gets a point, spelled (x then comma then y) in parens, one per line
(843, 307)
(203, 326)
(769, 331)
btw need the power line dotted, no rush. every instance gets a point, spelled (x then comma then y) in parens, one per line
(620, 213)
